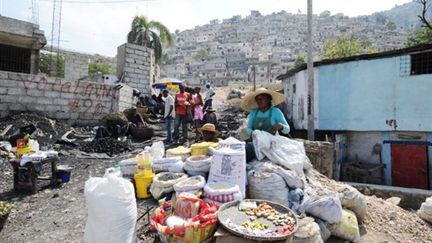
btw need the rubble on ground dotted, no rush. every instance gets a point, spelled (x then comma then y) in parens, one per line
(48, 130)
(229, 121)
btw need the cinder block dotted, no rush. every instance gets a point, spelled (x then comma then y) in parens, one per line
(9, 98)
(52, 108)
(16, 107)
(3, 75)
(61, 101)
(62, 115)
(27, 99)
(35, 92)
(15, 91)
(68, 95)
(51, 94)
(44, 101)
(3, 90)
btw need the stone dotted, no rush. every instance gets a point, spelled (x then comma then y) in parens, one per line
(394, 200)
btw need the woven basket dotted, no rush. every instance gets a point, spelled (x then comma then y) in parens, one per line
(142, 133)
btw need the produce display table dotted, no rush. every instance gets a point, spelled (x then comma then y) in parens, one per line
(223, 236)
(26, 176)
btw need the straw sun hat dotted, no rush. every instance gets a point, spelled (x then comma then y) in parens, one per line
(209, 127)
(248, 102)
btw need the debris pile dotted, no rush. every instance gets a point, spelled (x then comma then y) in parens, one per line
(48, 130)
(230, 121)
(107, 145)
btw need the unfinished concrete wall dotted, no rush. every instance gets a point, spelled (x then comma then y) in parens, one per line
(79, 102)
(136, 64)
(126, 98)
(76, 63)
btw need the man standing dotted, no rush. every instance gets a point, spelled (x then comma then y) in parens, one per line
(169, 114)
(182, 102)
(209, 97)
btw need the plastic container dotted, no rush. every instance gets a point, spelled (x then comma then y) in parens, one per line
(144, 164)
(64, 173)
(142, 185)
(34, 145)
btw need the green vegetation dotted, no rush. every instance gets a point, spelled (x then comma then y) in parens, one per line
(420, 36)
(45, 64)
(149, 33)
(345, 46)
(202, 54)
(300, 60)
(95, 67)
(5, 208)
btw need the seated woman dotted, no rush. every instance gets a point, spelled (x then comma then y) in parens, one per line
(210, 116)
(209, 133)
(263, 115)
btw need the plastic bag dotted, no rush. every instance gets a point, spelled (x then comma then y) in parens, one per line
(164, 182)
(291, 179)
(233, 144)
(198, 163)
(268, 186)
(352, 199)
(222, 192)
(157, 150)
(229, 166)
(326, 208)
(128, 167)
(191, 184)
(347, 228)
(425, 211)
(295, 198)
(112, 210)
(308, 232)
(280, 150)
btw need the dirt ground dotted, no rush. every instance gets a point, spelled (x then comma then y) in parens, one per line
(58, 214)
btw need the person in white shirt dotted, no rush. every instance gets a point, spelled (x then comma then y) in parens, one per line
(169, 114)
(209, 97)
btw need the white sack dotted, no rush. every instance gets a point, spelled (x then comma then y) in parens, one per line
(159, 187)
(228, 165)
(112, 210)
(280, 150)
(347, 228)
(352, 199)
(425, 211)
(324, 207)
(308, 231)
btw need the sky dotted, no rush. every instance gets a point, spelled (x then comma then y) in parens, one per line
(100, 26)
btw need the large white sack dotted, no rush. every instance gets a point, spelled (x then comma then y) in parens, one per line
(347, 228)
(228, 165)
(268, 186)
(308, 231)
(352, 199)
(425, 211)
(112, 210)
(280, 150)
(326, 208)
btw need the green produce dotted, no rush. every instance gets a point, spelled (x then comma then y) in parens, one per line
(254, 225)
(5, 208)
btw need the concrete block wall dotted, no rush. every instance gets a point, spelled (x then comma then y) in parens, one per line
(78, 102)
(76, 63)
(126, 98)
(137, 65)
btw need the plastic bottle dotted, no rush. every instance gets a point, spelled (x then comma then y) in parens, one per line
(144, 163)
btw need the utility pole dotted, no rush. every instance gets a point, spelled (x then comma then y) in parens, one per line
(311, 121)
(254, 76)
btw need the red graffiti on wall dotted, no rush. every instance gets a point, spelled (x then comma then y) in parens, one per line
(98, 109)
(73, 105)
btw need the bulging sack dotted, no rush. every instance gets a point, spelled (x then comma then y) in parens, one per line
(347, 228)
(326, 208)
(352, 199)
(263, 185)
(229, 166)
(112, 210)
(425, 211)
(164, 182)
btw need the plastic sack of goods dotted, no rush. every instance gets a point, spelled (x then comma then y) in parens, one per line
(190, 220)
(222, 192)
(111, 209)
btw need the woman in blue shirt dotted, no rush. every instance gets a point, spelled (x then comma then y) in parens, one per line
(263, 115)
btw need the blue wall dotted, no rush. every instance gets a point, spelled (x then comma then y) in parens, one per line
(363, 95)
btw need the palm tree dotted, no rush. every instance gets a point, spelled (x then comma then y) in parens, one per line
(151, 34)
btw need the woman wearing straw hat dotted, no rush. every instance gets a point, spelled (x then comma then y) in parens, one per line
(209, 132)
(263, 115)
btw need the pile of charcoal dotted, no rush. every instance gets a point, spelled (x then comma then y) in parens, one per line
(106, 145)
(230, 120)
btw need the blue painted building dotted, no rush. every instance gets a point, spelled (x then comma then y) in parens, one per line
(380, 102)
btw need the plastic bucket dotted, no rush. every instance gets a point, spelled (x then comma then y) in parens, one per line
(142, 185)
(64, 173)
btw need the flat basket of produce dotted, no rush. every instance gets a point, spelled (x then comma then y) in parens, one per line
(259, 220)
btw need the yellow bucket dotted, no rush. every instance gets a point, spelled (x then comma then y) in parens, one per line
(23, 150)
(202, 148)
(142, 184)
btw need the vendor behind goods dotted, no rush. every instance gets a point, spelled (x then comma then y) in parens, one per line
(209, 132)
(263, 115)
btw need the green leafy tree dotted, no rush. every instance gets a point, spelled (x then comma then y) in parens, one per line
(424, 34)
(345, 46)
(149, 33)
(300, 60)
(45, 60)
(95, 67)
(202, 54)
(325, 14)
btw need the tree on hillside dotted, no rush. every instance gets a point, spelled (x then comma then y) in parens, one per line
(424, 34)
(300, 60)
(345, 46)
(45, 64)
(96, 67)
(149, 33)
(202, 54)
